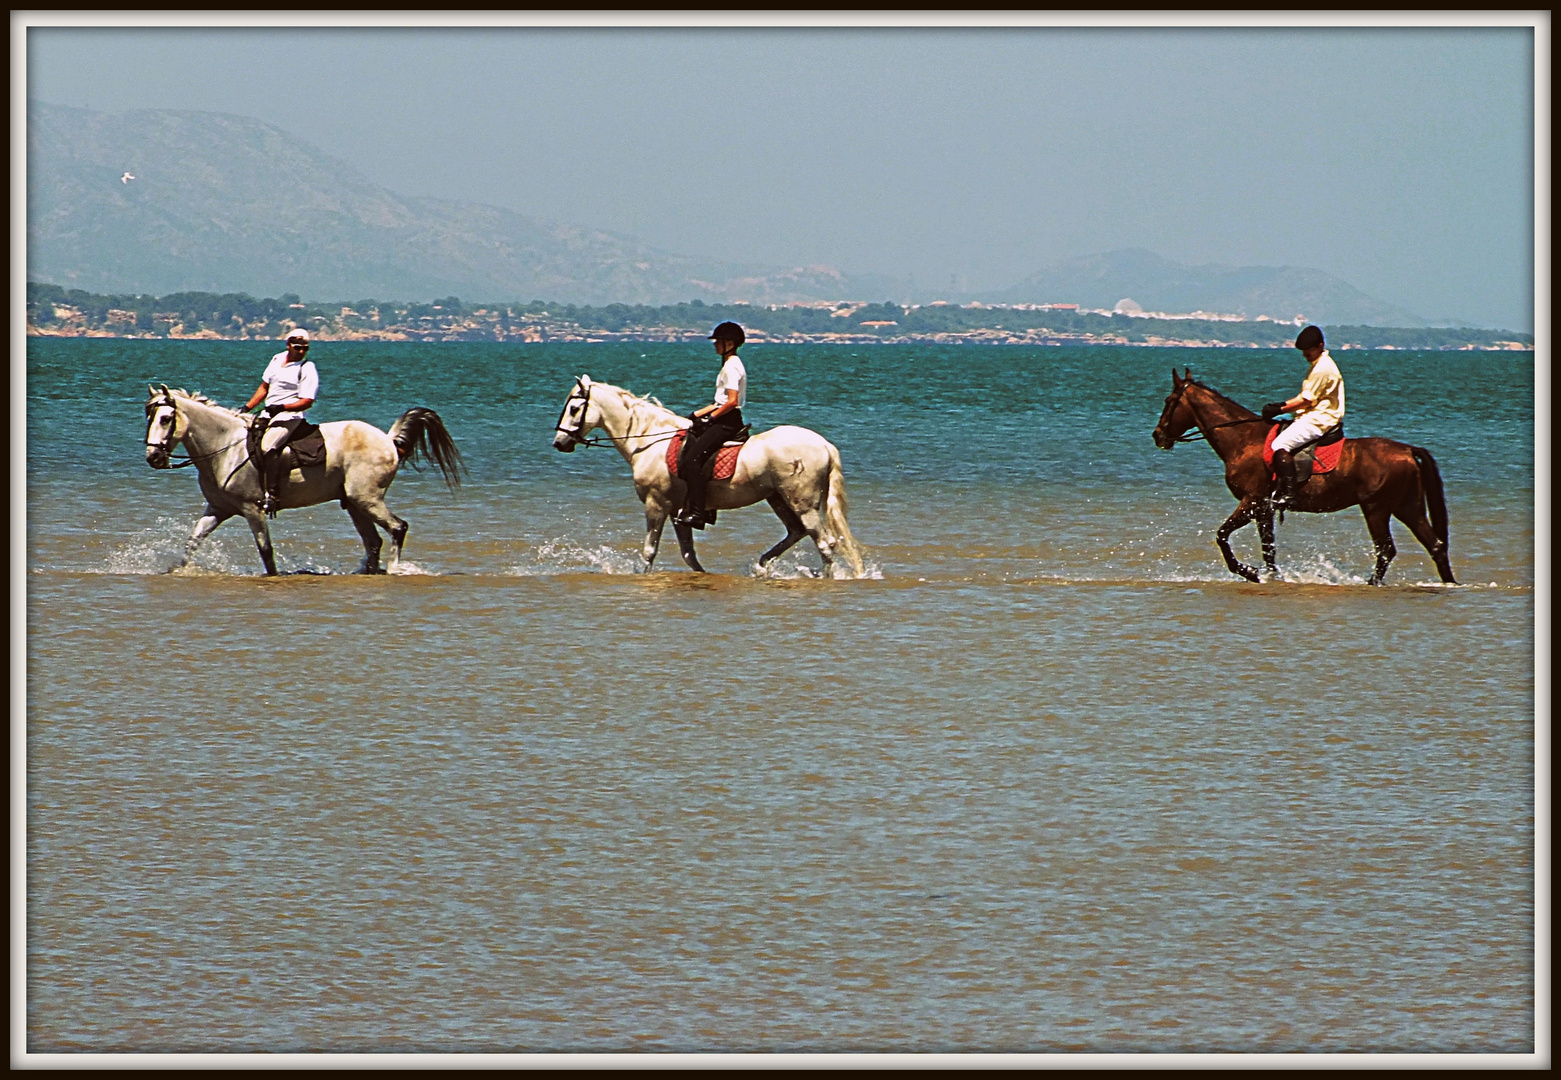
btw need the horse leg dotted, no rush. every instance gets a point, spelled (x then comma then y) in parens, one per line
(794, 529)
(655, 521)
(1265, 532)
(812, 522)
(1414, 517)
(210, 519)
(262, 531)
(1243, 514)
(371, 540)
(1378, 523)
(685, 535)
(378, 514)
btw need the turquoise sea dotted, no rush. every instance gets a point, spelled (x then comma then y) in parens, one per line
(1047, 778)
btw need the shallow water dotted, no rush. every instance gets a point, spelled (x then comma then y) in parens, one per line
(1048, 778)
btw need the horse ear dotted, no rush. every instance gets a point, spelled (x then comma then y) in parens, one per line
(1176, 380)
(585, 382)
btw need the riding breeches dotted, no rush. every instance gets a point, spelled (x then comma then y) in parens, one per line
(278, 433)
(700, 449)
(1301, 433)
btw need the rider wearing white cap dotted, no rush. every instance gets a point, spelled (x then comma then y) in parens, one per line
(288, 387)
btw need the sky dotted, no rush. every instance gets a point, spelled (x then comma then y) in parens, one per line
(1400, 159)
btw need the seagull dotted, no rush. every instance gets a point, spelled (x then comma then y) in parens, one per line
(126, 178)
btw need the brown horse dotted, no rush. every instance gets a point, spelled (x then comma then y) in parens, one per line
(1386, 479)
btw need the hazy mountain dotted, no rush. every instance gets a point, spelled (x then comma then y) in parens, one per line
(1158, 284)
(159, 201)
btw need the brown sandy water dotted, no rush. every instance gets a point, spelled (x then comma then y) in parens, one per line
(1048, 780)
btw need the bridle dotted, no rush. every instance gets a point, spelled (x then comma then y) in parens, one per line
(1197, 433)
(577, 436)
(164, 449)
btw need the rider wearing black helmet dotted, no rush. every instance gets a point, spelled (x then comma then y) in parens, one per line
(714, 424)
(1318, 410)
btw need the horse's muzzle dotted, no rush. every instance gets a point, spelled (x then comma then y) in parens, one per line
(157, 457)
(564, 443)
(1162, 441)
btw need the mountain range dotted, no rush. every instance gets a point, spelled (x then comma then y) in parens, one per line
(159, 201)
(1159, 284)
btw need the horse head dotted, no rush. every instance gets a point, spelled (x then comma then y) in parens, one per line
(165, 426)
(1176, 418)
(575, 420)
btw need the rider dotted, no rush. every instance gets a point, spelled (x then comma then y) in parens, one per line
(714, 424)
(1318, 410)
(288, 387)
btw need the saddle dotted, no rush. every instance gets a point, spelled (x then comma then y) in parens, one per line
(1319, 457)
(722, 464)
(305, 449)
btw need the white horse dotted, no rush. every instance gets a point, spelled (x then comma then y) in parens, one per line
(795, 470)
(360, 463)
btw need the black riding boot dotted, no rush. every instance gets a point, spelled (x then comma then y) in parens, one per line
(703, 444)
(270, 479)
(1284, 479)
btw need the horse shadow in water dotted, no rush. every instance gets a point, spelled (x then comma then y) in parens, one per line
(361, 461)
(1386, 479)
(795, 470)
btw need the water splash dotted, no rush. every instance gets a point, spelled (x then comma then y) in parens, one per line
(1322, 571)
(563, 556)
(158, 548)
(792, 567)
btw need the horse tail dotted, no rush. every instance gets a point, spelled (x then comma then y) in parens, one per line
(1436, 501)
(420, 433)
(835, 513)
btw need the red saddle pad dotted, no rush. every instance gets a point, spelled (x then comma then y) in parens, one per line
(1324, 458)
(725, 458)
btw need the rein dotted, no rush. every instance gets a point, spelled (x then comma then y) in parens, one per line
(189, 459)
(1197, 434)
(614, 440)
(609, 440)
(195, 459)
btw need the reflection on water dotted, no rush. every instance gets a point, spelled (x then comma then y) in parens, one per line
(1049, 780)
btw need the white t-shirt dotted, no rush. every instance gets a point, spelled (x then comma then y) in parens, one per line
(288, 382)
(733, 377)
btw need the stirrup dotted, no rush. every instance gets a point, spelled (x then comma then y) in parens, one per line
(268, 504)
(1279, 502)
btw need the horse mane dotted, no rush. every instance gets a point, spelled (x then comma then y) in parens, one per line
(1217, 393)
(209, 402)
(633, 401)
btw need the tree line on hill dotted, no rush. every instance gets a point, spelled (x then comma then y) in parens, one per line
(55, 309)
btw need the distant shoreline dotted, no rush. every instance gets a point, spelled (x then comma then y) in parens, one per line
(53, 311)
(971, 338)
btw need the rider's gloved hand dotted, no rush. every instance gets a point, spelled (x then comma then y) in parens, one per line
(1273, 409)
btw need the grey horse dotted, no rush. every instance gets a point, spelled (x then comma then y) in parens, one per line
(795, 470)
(360, 463)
